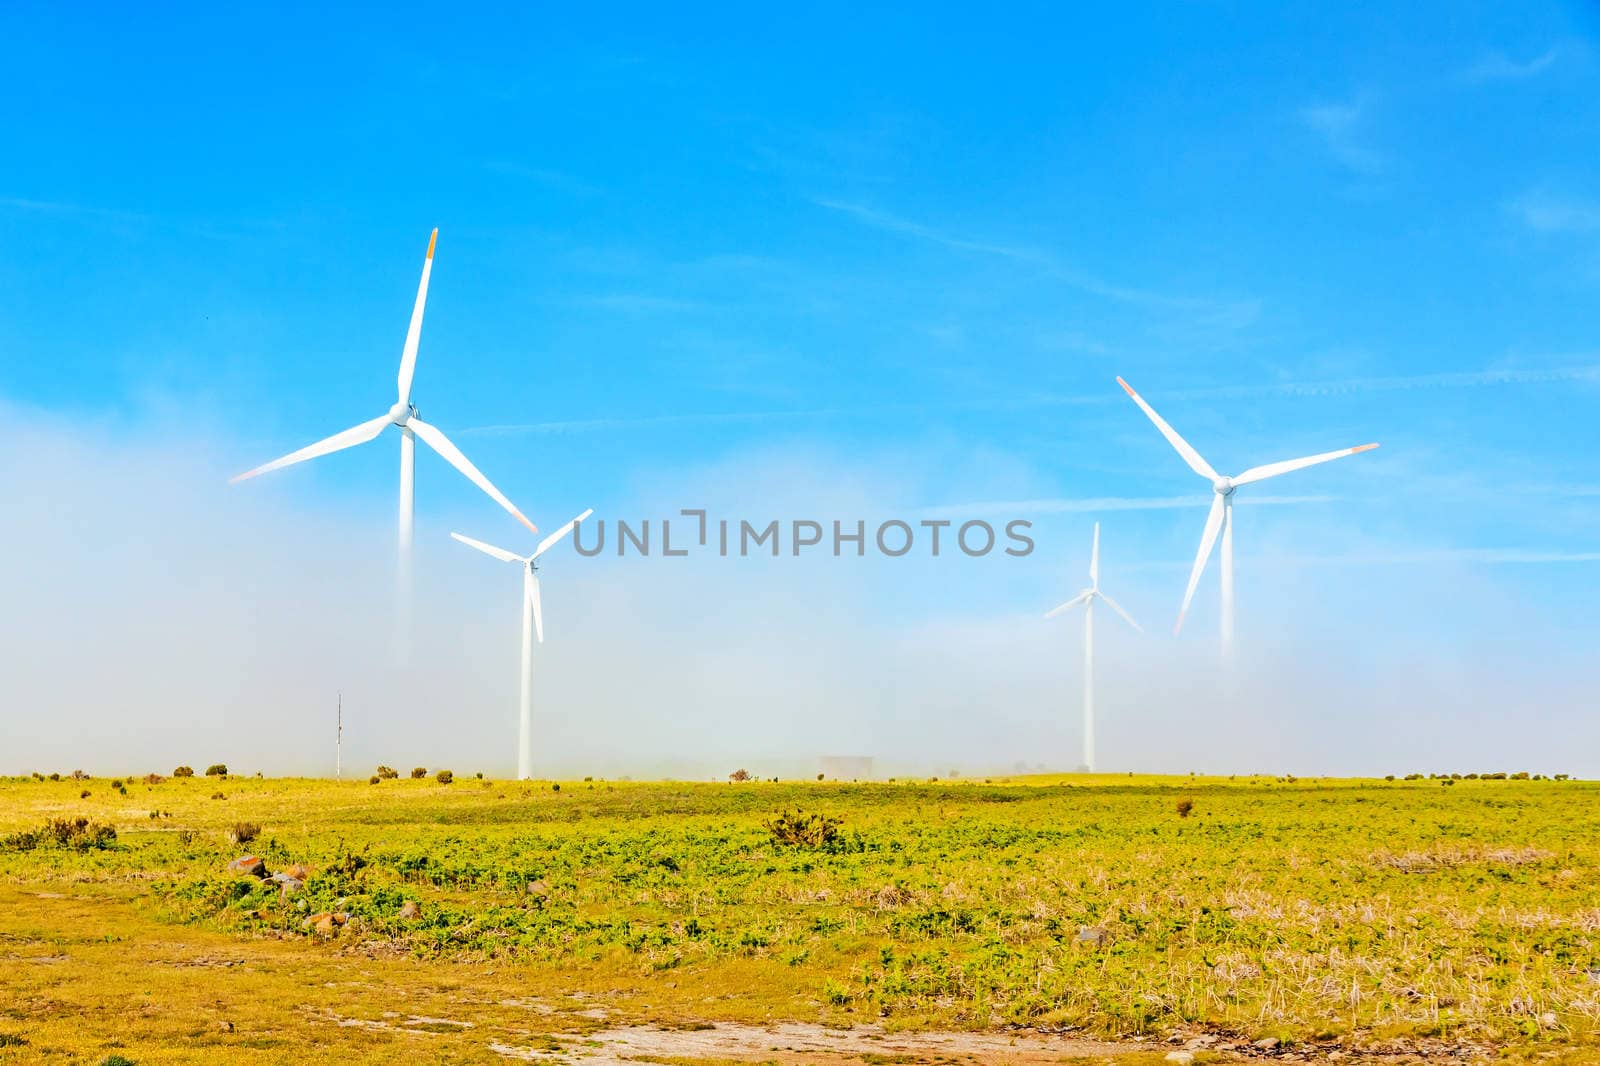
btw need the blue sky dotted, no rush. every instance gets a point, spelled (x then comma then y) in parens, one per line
(677, 252)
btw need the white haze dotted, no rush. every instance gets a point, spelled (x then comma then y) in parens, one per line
(152, 615)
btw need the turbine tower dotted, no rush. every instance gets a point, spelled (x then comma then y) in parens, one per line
(532, 628)
(1087, 598)
(1221, 516)
(403, 415)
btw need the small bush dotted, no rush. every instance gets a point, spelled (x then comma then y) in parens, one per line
(217, 769)
(243, 832)
(479, 775)
(418, 773)
(219, 796)
(802, 830)
(739, 775)
(388, 773)
(373, 780)
(11, 1040)
(79, 775)
(116, 1060)
(555, 786)
(84, 794)
(444, 777)
(819, 777)
(188, 837)
(1185, 807)
(153, 779)
(78, 834)
(183, 771)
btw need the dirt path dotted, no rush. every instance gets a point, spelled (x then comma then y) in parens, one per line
(88, 972)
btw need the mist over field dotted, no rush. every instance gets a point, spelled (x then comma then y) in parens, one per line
(153, 614)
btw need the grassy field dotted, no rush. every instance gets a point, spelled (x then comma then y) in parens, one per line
(1370, 917)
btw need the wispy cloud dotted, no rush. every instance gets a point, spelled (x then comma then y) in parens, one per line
(1496, 66)
(635, 303)
(1341, 128)
(1097, 504)
(1424, 557)
(56, 207)
(1549, 213)
(1471, 379)
(556, 180)
(1231, 313)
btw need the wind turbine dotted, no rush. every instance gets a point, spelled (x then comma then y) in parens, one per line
(1221, 516)
(1087, 598)
(532, 628)
(404, 415)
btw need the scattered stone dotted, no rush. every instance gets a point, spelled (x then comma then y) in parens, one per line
(287, 883)
(1269, 1043)
(326, 926)
(1182, 1058)
(1092, 934)
(249, 865)
(298, 872)
(226, 1027)
(340, 918)
(538, 888)
(410, 910)
(1204, 1040)
(1549, 1020)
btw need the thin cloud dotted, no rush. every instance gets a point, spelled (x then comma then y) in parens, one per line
(1340, 127)
(1472, 379)
(1230, 313)
(1548, 213)
(634, 303)
(1096, 504)
(1496, 66)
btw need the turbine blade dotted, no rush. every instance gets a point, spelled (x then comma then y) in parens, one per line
(452, 455)
(490, 549)
(547, 543)
(530, 589)
(1115, 606)
(1190, 456)
(338, 442)
(1261, 473)
(408, 357)
(1094, 559)
(1082, 597)
(1208, 540)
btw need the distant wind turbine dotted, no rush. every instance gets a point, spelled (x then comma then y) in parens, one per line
(1087, 598)
(404, 415)
(1221, 516)
(532, 628)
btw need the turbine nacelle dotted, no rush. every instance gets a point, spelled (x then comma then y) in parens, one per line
(1223, 486)
(402, 413)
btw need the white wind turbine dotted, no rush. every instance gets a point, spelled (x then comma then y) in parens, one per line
(404, 415)
(1087, 598)
(1221, 516)
(532, 628)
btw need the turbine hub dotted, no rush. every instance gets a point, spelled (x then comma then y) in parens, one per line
(401, 413)
(1223, 486)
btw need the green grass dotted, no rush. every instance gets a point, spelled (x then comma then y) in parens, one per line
(1306, 910)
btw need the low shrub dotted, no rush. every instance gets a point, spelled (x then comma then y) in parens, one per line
(183, 771)
(388, 773)
(77, 834)
(373, 780)
(1185, 807)
(444, 777)
(217, 769)
(802, 830)
(418, 773)
(243, 832)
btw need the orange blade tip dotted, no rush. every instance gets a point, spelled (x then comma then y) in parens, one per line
(432, 240)
(1362, 448)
